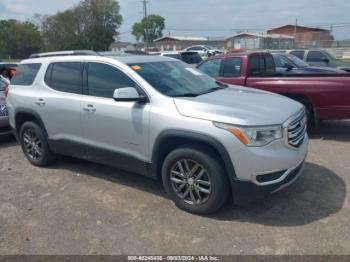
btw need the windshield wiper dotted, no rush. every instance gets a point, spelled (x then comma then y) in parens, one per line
(221, 84)
(187, 95)
(213, 89)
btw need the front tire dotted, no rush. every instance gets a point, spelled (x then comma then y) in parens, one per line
(195, 179)
(34, 145)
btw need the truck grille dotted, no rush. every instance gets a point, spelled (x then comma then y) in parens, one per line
(3, 110)
(297, 129)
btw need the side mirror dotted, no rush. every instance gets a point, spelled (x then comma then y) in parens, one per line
(325, 59)
(128, 94)
(288, 67)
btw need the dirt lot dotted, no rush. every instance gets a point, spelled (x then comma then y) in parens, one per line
(76, 207)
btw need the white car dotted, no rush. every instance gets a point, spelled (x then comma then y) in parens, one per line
(204, 50)
(189, 57)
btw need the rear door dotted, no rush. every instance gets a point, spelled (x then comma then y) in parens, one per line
(231, 72)
(59, 106)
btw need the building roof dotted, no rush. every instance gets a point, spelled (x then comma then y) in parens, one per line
(275, 36)
(221, 38)
(182, 38)
(299, 26)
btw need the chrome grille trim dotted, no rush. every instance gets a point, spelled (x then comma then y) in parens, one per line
(295, 129)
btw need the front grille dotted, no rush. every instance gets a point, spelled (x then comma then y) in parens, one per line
(297, 129)
(3, 110)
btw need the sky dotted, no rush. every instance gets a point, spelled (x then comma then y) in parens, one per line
(208, 17)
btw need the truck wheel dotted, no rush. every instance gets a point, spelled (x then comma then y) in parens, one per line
(195, 180)
(34, 145)
(311, 121)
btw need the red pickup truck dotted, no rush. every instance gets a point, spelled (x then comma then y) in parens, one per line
(326, 96)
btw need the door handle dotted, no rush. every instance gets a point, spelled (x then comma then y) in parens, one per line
(40, 102)
(90, 108)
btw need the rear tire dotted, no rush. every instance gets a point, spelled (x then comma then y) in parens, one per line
(34, 145)
(195, 179)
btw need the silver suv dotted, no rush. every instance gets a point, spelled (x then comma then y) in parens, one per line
(159, 117)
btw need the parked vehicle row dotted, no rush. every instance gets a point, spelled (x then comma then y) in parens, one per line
(290, 64)
(318, 57)
(326, 96)
(161, 118)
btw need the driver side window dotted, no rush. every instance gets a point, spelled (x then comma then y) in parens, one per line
(281, 62)
(315, 56)
(103, 80)
(211, 67)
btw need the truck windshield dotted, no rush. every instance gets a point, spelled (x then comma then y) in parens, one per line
(297, 61)
(174, 79)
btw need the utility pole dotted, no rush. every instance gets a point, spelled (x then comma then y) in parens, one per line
(295, 31)
(145, 2)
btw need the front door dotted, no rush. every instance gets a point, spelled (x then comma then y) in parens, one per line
(115, 133)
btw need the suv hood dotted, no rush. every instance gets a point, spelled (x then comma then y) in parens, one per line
(239, 106)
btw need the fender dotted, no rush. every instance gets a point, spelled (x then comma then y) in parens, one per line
(21, 110)
(195, 137)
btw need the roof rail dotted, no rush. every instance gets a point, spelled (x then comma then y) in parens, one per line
(65, 53)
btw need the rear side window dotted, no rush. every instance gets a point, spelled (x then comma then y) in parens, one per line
(261, 65)
(103, 80)
(65, 77)
(254, 65)
(232, 67)
(26, 74)
(211, 67)
(269, 64)
(315, 56)
(299, 54)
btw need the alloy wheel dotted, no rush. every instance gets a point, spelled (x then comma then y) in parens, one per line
(190, 181)
(32, 144)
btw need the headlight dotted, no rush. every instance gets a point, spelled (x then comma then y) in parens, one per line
(254, 136)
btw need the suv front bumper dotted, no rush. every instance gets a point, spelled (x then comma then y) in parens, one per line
(246, 192)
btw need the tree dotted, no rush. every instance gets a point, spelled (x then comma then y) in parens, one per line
(18, 39)
(150, 28)
(92, 24)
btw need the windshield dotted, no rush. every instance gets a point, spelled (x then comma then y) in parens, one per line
(297, 61)
(174, 79)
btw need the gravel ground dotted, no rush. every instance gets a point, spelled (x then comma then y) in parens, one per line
(77, 207)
